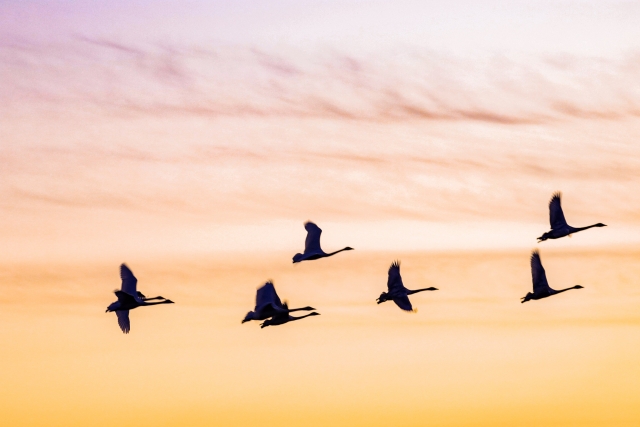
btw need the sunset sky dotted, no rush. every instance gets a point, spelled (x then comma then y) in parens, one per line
(192, 140)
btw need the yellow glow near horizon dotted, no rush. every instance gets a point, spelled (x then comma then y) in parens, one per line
(471, 355)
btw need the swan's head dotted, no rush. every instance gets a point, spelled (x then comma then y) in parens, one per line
(314, 314)
(432, 289)
(600, 225)
(348, 248)
(578, 287)
(307, 308)
(248, 317)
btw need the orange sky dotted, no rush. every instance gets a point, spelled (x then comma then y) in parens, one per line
(416, 131)
(471, 355)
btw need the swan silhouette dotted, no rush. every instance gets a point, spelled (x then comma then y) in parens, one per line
(268, 304)
(397, 292)
(541, 287)
(284, 317)
(312, 249)
(129, 298)
(559, 226)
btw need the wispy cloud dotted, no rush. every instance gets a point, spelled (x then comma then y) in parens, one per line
(101, 135)
(141, 79)
(245, 170)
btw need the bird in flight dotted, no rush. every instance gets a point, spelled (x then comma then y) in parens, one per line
(268, 304)
(312, 249)
(541, 288)
(284, 317)
(129, 298)
(559, 226)
(396, 290)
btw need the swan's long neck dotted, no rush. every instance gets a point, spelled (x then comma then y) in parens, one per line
(292, 318)
(300, 309)
(566, 289)
(156, 303)
(333, 253)
(575, 230)
(420, 290)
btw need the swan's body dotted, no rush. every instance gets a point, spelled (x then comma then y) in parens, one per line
(396, 290)
(312, 249)
(284, 317)
(129, 298)
(541, 288)
(268, 304)
(559, 226)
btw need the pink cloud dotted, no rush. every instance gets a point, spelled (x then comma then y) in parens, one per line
(113, 77)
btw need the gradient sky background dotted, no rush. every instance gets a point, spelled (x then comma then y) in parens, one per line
(192, 140)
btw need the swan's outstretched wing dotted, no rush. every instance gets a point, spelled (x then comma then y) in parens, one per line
(267, 295)
(394, 282)
(123, 320)
(282, 317)
(129, 281)
(124, 298)
(537, 273)
(312, 242)
(556, 217)
(403, 302)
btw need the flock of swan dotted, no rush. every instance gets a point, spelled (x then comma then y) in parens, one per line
(272, 311)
